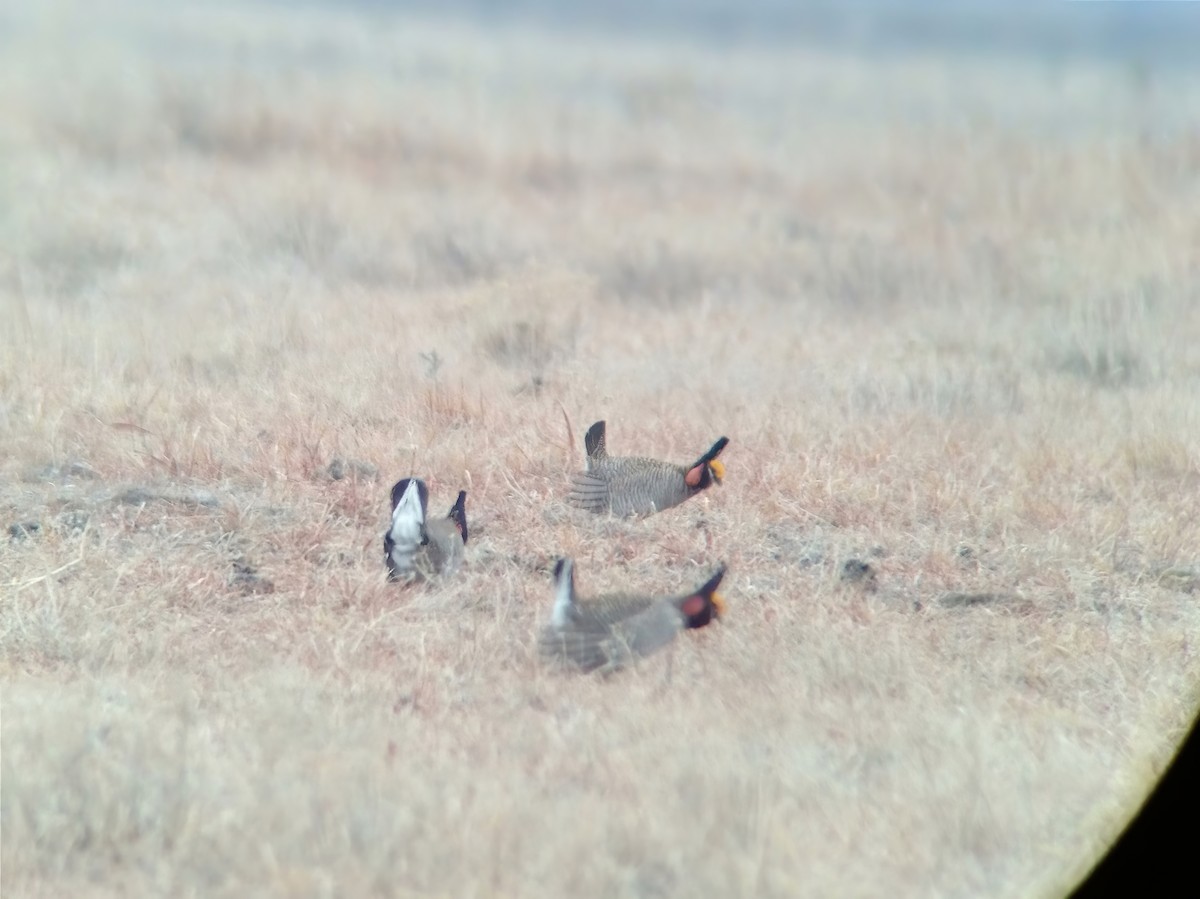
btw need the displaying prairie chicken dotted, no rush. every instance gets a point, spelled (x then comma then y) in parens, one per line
(634, 485)
(416, 548)
(609, 632)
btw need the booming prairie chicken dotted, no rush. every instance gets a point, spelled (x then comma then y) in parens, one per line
(610, 632)
(635, 485)
(415, 548)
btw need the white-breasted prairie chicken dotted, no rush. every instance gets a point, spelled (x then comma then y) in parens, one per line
(609, 632)
(415, 548)
(634, 485)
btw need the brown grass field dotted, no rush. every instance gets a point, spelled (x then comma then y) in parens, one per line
(256, 265)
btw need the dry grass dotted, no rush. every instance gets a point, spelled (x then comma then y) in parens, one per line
(256, 268)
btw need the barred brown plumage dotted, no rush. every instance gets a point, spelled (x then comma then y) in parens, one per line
(635, 485)
(610, 632)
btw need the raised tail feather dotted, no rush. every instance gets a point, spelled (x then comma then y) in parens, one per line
(593, 442)
(407, 533)
(564, 592)
(401, 488)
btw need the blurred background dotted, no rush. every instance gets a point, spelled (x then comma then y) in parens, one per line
(1151, 33)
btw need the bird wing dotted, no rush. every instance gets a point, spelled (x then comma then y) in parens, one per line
(589, 492)
(586, 646)
(445, 548)
(651, 629)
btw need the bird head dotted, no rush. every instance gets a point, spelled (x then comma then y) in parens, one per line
(708, 469)
(701, 607)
